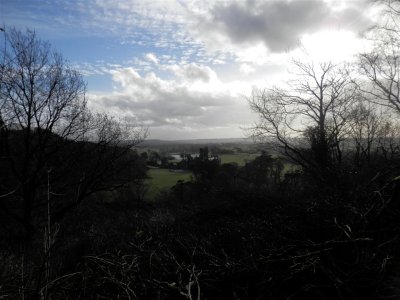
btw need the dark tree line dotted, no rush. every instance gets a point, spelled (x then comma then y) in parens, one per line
(52, 147)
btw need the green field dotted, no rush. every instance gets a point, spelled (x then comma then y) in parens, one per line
(163, 179)
(239, 158)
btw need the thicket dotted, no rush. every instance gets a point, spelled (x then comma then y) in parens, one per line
(235, 233)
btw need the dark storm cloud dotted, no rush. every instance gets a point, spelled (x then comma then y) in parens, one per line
(280, 24)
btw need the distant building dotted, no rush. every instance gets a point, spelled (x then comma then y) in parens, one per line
(203, 154)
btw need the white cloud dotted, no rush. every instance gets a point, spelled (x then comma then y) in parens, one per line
(179, 93)
(187, 103)
(205, 31)
(278, 25)
(246, 69)
(151, 57)
(195, 60)
(334, 45)
(193, 72)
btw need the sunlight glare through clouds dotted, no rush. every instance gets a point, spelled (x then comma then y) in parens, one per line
(186, 67)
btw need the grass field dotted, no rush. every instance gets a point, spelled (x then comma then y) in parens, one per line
(239, 158)
(163, 179)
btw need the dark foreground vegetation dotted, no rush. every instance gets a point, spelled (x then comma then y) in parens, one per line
(234, 233)
(73, 223)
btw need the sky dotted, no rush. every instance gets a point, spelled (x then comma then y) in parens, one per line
(185, 68)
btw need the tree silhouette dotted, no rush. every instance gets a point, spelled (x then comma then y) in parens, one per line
(310, 114)
(47, 128)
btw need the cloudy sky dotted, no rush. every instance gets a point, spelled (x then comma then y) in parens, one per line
(185, 67)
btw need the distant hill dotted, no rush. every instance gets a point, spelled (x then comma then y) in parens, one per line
(154, 142)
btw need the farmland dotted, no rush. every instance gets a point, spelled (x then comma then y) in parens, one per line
(239, 158)
(163, 179)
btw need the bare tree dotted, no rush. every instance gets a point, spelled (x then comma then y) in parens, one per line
(388, 139)
(381, 69)
(366, 122)
(47, 127)
(310, 114)
(381, 65)
(390, 13)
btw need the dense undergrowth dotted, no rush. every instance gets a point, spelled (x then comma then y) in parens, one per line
(213, 239)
